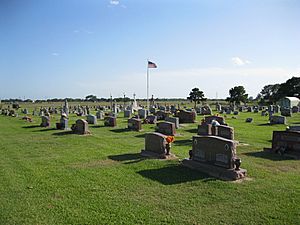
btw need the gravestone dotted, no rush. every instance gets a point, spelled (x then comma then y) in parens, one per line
(277, 120)
(80, 127)
(166, 128)
(218, 107)
(294, 128)
(286, 112)
(286, 143)
(91, 119)
(63, 123)
(186, 117)
(295, 109)
(264, 113)
(236, 113)
(100, 115)
(249, 120)
(127, 113)
(110, 121)
(134, 124)
(174, 120)
(204, 129)
(45, 121)
(142, 113)
(151, 119)
(250, 109)
(215, 156)
(156, 145)
(225, 132)
(210, 119)
(276, 108)
(162, 115)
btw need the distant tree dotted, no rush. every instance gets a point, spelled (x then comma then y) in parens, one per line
(269, 93)
(91, 98)
(196, 96)
(290, 88)
(237, 95)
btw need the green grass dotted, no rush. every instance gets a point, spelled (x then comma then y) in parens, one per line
(50, 178)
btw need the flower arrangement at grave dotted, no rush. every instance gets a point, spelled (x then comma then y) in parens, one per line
(169, 140)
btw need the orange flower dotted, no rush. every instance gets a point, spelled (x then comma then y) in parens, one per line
(170, 139)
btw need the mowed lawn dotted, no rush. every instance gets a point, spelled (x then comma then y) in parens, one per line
(49, 176)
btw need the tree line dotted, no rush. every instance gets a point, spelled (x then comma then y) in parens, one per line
(270, 93)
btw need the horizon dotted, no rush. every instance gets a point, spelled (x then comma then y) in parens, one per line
(59, 49)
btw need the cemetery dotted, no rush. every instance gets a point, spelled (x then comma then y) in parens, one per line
(87, 157)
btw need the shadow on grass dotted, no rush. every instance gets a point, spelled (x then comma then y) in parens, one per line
(63, 133)
(174, 174)
(127, 158)
(268, 155)
(140, 136)
(97, 126)
(31, 126)
(120, 130)
(264, 124)
(187, 142)
(45, 129)
(194, 130)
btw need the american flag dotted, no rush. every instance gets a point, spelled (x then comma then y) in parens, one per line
(151, 65)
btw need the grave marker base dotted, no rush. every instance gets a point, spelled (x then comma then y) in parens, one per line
(151, 154)
(215, 171)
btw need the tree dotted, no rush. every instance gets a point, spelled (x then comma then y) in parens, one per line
(237, 95)
(91, 98)
(269, 93)
(196, 96)
(290, 88)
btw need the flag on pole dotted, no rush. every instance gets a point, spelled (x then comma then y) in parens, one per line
(151, 65)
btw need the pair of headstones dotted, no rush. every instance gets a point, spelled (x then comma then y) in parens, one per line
(215, 156)
(220, 130)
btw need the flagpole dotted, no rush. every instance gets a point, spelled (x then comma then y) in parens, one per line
(147, 85)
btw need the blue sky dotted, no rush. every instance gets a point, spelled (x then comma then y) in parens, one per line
(72, 48)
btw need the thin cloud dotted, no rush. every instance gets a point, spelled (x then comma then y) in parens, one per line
(114, 2)
(55, 54)
(237, 61)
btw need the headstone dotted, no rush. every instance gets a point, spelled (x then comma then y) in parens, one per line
(166, 128)
(286, 112)
(127, 113)
(249, 120)
(91, 119)
(162, 115)
(277, 120)
(142, 113)
(236, 113)
(286, 143)
(174, 120)
(210, 119)
(294, 128)
(81, 127)
(295, 109)
(264, 113)
(215, 156)
(151, 119)
(100, 115)
(157, 145)
(186, 117)
(45, 121)
(135, 124)
(204, 129)
(226, 132)
(63, 123)
(110, 121)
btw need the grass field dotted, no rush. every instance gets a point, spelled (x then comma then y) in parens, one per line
(50, 177)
